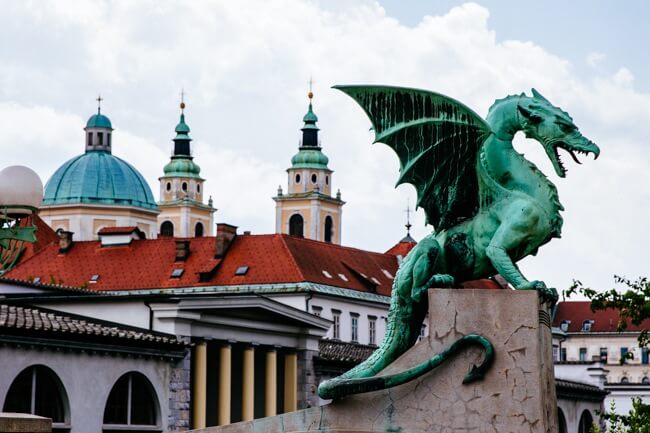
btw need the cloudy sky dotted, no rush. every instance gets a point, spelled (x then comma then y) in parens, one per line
(245, 68)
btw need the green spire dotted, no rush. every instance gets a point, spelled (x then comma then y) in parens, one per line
(181, 164)
(309, 154)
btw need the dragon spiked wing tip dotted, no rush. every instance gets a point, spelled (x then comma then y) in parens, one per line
(437, 140)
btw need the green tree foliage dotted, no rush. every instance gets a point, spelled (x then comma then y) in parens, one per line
(637, 421)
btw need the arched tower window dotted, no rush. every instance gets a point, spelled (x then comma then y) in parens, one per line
(167, 229)
(586, 420)
(132, 402)
(296, 225)
(198, 230)
(328, 228)
(39, 391)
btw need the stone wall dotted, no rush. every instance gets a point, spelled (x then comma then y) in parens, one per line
(307, 382)
(179, 395)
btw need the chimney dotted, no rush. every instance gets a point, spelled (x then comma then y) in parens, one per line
(182, 250)
(226, 233)
(65, 240)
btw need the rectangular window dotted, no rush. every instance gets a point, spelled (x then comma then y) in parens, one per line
(100, 136)
(336, 325)
(563, 354)
(372, 330)
(423, 332)
(624, 355)
(108, 139)
(354, 327)
(583, 354)
(603, 355)
(556, 353)
(90, 139)
(644, 355)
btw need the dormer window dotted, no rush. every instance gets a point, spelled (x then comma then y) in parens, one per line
(586, 325)
(564, 325)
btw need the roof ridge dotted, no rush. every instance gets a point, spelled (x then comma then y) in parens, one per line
(329, 244)
(292, 259)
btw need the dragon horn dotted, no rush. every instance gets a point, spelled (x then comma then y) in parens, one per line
(538, 95)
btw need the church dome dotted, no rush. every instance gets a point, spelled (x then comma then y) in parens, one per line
(182, 167)
(309, 158)
(99, 121)
(98, 178)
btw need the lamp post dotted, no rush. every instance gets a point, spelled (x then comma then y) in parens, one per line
(21, 192)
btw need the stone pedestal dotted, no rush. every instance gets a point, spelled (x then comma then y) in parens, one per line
(517, 394)
(24, 423)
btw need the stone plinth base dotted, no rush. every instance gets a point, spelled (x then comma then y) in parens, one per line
(24, 423)
(516, 396)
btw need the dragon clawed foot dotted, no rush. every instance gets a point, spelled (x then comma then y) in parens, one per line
(548, 294)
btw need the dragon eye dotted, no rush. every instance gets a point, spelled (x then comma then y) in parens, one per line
(567, 129)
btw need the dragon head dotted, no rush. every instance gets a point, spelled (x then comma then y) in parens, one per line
(554, 128)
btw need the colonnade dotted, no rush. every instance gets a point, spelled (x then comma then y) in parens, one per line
(234, 381)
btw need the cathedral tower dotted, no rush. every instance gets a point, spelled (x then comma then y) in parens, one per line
(183, 213)
(308, 209)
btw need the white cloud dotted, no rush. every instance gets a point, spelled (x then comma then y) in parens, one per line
(245, 67)
(594, 59)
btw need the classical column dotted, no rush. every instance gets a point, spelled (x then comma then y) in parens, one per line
(199, 384)
(271, 384)
(225, 370)
(290, 382)
(248, 384)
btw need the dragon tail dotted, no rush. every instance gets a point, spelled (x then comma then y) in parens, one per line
(340, 387)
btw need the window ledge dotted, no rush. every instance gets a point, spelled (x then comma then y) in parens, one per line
(131, 427)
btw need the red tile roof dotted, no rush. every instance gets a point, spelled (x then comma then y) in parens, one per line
(271, 259)
(127, 230)
(44, 236)
(402, 248)
(603, 321)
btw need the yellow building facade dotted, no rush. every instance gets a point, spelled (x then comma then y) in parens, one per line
(308, 209)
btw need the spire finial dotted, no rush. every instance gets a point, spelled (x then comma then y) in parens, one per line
(408, 217)
(99, 104)
(182, 100)
(310, 95)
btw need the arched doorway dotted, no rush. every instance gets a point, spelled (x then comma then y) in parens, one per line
(131, 403)
(198, 230)
(296, 225)
(39, 391)
(328, 228)
(586, 421)
(167, 229)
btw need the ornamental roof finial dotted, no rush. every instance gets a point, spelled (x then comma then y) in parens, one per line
(99, 104)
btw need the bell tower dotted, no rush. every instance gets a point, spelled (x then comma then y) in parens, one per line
(183, 213)
(308, 209)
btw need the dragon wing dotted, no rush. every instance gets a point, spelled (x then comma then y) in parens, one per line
(437, 140)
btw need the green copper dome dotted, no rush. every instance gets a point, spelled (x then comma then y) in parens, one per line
(98, 178)
(99, 121)
(310, 158)
(182, 166)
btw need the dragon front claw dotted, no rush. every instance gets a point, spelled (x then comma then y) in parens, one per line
(548, 294)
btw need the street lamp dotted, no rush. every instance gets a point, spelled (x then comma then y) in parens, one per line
(21, 192)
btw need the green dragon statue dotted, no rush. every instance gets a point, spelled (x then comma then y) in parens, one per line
(489, 206)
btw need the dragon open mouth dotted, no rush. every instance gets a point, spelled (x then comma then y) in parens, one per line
(554, 154)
